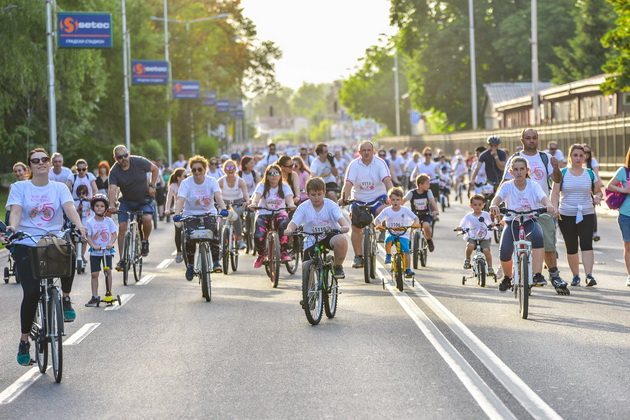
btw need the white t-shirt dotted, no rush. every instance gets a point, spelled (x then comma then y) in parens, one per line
(482, 178)
(575, 194)
(528, 199)
(101, 233)
(216, 174)
(230, 193)
(317, 221)
(62, 177)
(340, 164)
(86, 180)
(536, 170)
(42, 210)
(367, 180)
(273, 200)
(558, 155)
(477, 229)
(179, 164)
(431, 169)
(249, 181)
(199, 198)
(401, 218)
(323, 170)
(398, 164)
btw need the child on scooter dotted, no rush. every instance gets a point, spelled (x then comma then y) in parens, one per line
(102, 234)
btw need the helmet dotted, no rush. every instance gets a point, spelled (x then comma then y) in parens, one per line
(99, 197)
(493, 140)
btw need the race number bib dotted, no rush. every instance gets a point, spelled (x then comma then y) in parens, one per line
(421, 204)
(320, 228)
(367, 185)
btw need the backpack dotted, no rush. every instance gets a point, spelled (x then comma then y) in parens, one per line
(590, 173)
(545, 161)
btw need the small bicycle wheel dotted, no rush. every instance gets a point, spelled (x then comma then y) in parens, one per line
(312, 301)
(398, 271)
(481, 272)
(6, 274)
(274, 259)
(367, 255)
(424, 252)
(497, 236)
(330, 297)
(416, 248)
(204, 272)
(56, 333)
(38, 334)
(523, 289)
(225, 249)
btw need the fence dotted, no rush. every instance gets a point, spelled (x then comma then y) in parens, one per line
(609, 139)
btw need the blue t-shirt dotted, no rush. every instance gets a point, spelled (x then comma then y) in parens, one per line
(621, 177)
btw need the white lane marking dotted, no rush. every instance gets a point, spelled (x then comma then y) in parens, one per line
(83, 332)
(145, 280)
(174, 252)
(480, 391)
(16, 388)
(620, 260)
(165, 263)
(597, 252)
(123, 299)
(516, 386)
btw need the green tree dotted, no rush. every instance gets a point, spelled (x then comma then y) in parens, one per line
(619, 39)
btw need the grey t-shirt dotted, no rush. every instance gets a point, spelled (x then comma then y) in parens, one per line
(133, 182)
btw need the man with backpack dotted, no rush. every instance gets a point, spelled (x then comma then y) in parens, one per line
(543, 169)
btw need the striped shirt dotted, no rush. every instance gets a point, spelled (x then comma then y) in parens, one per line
(576, 191)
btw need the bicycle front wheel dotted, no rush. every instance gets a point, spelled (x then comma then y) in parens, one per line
(330, 300)
(137, 258)
(292, 265)
(398, 271)
(311, 292)
(225, 249)
(55, 332)
(273, 256)
(367, 254)
(424, 252)
(126, 255)
(481, 272)
(234, 260)
(523, 289)
(204, 272)
(416, 248)
(38, 334)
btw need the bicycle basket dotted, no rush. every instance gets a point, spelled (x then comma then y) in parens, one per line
(360, 217)
(52, 257)
(199, 229)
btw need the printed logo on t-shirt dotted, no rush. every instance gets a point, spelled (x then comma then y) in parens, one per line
(43, 209)
(523, 204)
(274, 203)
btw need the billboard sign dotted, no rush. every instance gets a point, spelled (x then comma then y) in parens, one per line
(185, 89)
(223, 105)
(145, 72)
(209, 97)
(84, 30)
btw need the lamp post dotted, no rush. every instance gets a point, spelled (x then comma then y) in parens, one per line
(52, 102)
(396, 92)
(473, 70)
(166, 19)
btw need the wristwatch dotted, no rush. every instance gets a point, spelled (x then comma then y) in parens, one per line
(151, 185)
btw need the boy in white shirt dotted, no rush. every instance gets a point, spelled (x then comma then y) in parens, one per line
(397, 216)
(102, 235)
(320, 214)
(477, 224)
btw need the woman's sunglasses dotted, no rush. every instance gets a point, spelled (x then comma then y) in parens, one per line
(38, 160)
(273, 173)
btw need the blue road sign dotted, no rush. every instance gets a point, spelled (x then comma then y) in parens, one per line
(84, 30)
(209, 97)
(185, 89)
(145, 72)
(223, 105)
(414, 116)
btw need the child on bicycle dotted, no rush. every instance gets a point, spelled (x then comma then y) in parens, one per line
(320, 214)
(422, 201)
(397, 216)
(477, 222)
(102, 234)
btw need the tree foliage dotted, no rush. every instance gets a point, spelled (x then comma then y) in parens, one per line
(619, 39)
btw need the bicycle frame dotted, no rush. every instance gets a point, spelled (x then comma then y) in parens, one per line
(368, 242)
(203, 257)
(399, 263)
(272, 247)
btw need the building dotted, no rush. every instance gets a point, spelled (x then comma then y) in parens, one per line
(499, 93)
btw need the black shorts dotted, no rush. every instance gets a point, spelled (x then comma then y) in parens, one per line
(310, 251)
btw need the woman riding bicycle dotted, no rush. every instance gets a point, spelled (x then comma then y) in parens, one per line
(273, 194)
(37, 208)
(174, 181)
(234, 192)
(196, 196)
(521, 194)
(248, 174)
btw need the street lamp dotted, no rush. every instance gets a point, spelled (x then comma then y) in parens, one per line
(166, 19)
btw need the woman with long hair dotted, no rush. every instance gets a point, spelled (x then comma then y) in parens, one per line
(289, 177)
(591, 163)
(619, 184)
(273, 194)
(235, 194)
(304, 174)
(102, 177)
(174, 181)
(37, 208)
(248, 174)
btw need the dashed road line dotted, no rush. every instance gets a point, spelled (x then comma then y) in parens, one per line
(145, 280)
(165, 263)
(80, 335)
(123, 299)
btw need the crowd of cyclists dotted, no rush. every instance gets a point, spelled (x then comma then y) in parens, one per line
(306, 188)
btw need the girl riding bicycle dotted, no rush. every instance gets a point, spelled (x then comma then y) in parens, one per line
(37, 208)
(521, 194)
(234, 192)
(273, 194)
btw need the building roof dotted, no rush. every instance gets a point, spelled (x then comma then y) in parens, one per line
(501, 92)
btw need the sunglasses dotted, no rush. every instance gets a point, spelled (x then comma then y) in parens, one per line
(81, 169)
(428, 154)
(38, 160)
(273, 173)
(195, 170)
(230, 168)
(382, 155)
(82, 193)
(214, 163)
(119, 157)
(288, 166)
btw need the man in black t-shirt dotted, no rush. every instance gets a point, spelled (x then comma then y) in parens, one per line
(494, 160)
(129, 173)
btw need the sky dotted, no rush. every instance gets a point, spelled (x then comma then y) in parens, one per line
(321, 40)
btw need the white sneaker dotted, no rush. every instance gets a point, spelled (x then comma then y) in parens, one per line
(179, 258)
(628, 281)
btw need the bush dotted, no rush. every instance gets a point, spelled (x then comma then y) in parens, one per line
(207, 146)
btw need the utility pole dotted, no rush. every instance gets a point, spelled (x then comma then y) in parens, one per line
(52, 101)
(473, 66)
(535, 62)
(396, 93)
(126, 76)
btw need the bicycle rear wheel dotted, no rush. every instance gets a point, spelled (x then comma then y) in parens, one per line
(416, 248)
(424, 252)
(273, 257)
(126, 255)
(234, 260)
(204, 272)
(481, 272)
(225, 248)
(137, 258)
(311, 293)
(38, 334)
(367, 254)
(249, 233)
(373, 256)
(523, 289)
(398, 271)
(56, 333)
(330, 300)
(292, 265)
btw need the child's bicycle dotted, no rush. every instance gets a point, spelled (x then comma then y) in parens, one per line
(478, 263)
(419, 248)
(10, 269)
(399, 265)
(109, 299)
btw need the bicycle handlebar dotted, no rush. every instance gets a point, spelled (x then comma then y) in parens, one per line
(302, 233)
(537, 212)
(365, 205)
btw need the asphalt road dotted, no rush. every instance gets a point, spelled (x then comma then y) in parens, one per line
(438, 350)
